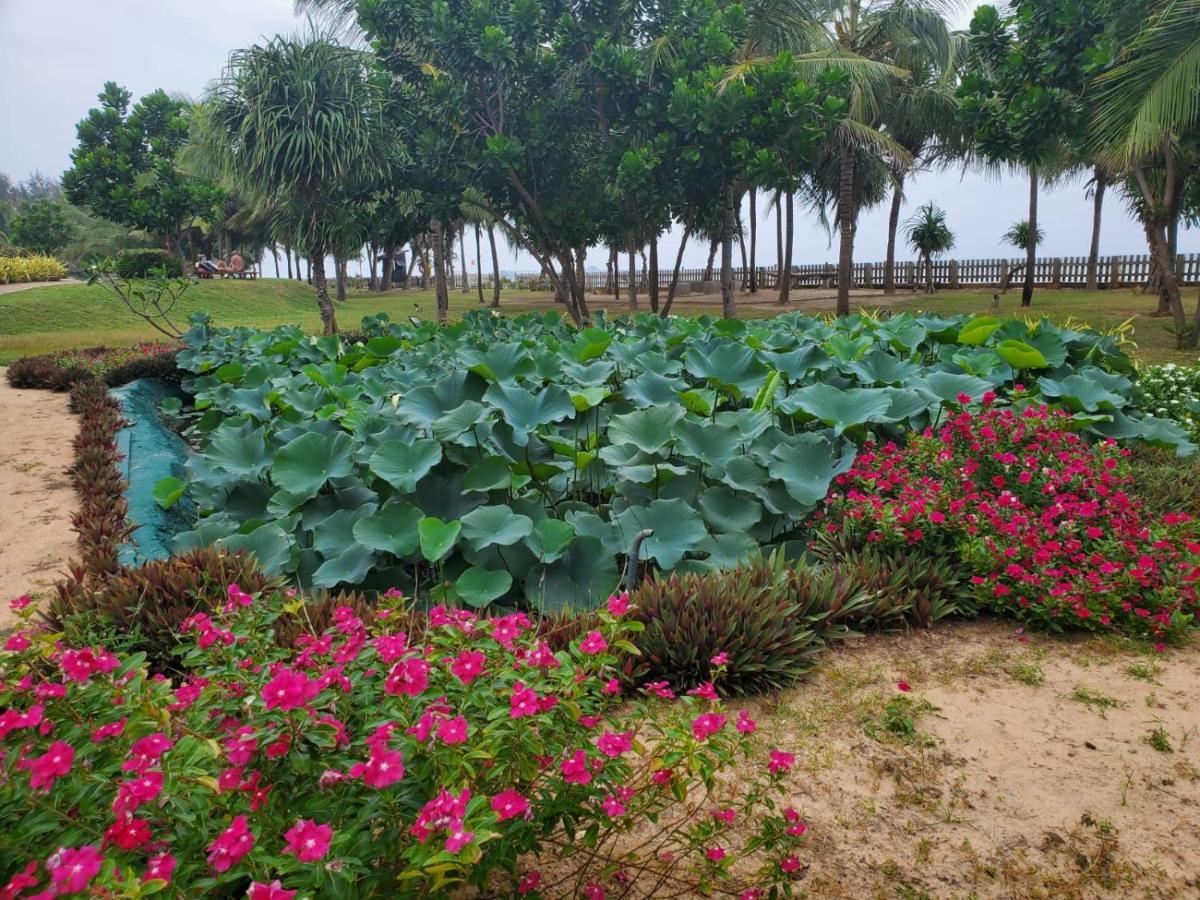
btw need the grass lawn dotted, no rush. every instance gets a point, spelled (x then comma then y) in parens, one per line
(58, 317)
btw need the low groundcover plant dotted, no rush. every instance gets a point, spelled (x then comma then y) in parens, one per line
(1041, 520)
(368, 761)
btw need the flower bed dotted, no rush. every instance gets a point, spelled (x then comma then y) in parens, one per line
(114, 366)
(1043, 521)
(379, 760)
(19, 269)
(1172, 391)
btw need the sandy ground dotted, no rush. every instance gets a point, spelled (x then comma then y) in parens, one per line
(36, 538)
(1014, 767)
(30, 285)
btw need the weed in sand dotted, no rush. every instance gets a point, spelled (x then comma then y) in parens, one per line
(898, 721)
(1027, 673)
(1144, 672)
(1093, 699)
(1159, 739)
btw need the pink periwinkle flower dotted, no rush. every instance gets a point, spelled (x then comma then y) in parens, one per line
(231, 845)
(308, 841)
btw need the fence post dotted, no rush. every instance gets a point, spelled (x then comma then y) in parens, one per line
(954, 285)
(827, 277)
(1056, 273)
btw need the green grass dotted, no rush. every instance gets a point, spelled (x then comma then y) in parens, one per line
(63, 316)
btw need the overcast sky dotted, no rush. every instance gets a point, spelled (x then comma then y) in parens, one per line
(57, 54)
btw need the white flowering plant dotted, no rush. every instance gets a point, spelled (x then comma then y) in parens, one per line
(1172, 391)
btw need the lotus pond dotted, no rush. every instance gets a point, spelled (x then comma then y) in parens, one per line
(514, 460)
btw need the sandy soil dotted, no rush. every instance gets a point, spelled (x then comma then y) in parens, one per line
(36, 538)
(1014, 767)
(30, 285)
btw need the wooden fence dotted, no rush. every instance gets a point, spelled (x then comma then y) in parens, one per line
(1052, 272)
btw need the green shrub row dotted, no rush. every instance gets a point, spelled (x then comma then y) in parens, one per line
(20, 269)
(143, 262)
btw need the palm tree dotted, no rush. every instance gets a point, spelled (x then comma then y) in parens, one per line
(929, 235)
(1146, 126)
(299, 122)
(1025, 238)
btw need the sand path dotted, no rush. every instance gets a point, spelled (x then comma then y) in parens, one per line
(36, 538)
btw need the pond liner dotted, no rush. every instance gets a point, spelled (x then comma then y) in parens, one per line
(151, 450)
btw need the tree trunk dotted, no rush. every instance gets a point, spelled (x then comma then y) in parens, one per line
(753, 240)
(778, 232)
(728, 223)
(889, 264)
(339, 276)
(372, 267)
(1093, 263)
(462, 253)
(287, 254)
(652, 275)
(928, 274)
(713, 242)
(737, 211)
(324, 304)
(275, 256)
(666, 310)
(785, 266)
(389, 266)
(308, 269)
(1031, 250)
(495, 267)
(633, 297)
(479, 263)
(846, 227)
(439, 270)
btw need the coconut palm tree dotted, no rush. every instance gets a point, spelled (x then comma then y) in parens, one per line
(1147, 126)
(928, 234)
(299, 122)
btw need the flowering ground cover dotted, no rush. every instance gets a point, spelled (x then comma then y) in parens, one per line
(112, 365)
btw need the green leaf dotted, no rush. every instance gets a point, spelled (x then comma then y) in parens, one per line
(1020, 355)
(647, 429)
(271, 546)
(230, 373)
(713, 445)
(304, 465)
(583, 576)
(525, 411)
(495, 525)
(348, 567)
(550, 539)
(393, 529)
(489, 474)
(840, 409)
(677, 528)
(168, 491)
(437, 538)
(479, 586)
(402, 465)
(977, 330)
(586, 398)
(807, 466)
(244, 455)
(727, 511)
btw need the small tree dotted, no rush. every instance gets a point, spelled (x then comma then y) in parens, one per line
(929, 235)
(42, 226)
(1025, 239)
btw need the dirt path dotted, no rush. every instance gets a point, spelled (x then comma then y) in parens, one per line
(1014, 767)
(30, 285)
(36, 538)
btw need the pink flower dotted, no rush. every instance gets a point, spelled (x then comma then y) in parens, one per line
(745, 724)
(791, 864)
(111, 729)
(614, 743)
(272, 891)
(612, 806)
(467, 665)
(17, 643)
(21, 880)
(452, 731)
(523, 702)
(662, 776)
(780, 762)
(308, 841)
(72, 870)
(715, 854)
(725, 816)
(903, 686)
(132, 794)
(721, 659)
(237, 598)
(707, 724)
(575, 768)
(51, 765)
(20, 603)
(529, 882)
(160, 868)
(593, 642)
(231, 845)
(409, 677)
(385, 767)
(618, 605)
(458, 838)
(659, 689)
(706, 691)
(128, 834)
(593, 891)
(509, 804)
(290, 690)
(146, 751)
(612, 686)
(443, 813)
(81, 665)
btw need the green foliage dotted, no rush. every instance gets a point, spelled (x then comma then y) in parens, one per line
(124, 167)
(140, 263)
(527, 447)
(18, 269)
(42, 226)
(140, 610)
(769, 626)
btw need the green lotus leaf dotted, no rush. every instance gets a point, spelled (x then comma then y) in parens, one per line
(977, 330)
(501, 363)
(946, 386)
(647, 429)
(550, 538)
(838, 408)
(447, 428)
(677, 529)
(525, 411)
(494, 525)
(807, 466)
(1020, 355)
(1078, 394)
(713, 445)
(348, 567)
(403, 465)
(478, 586)
(168, 491)
(304, 465)
(580, 579)
(489, 474)
(244, 455)
(726, 510)
(270, 545)
(436, 537)
(393, 529)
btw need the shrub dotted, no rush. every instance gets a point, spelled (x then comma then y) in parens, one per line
(140, 263)
(1172, 391)
(142, 609)
(371, 762)
(767, 621)
(19, 269)
(116, 366)
(1164, 481)
(1044, 522)
(101, 519)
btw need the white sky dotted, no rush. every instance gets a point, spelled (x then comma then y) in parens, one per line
(58, 53)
